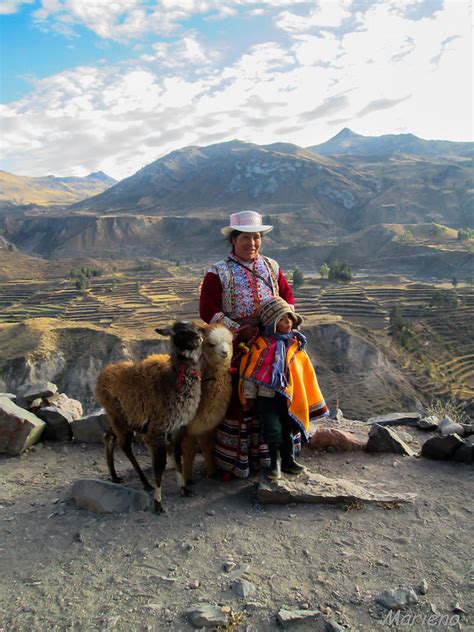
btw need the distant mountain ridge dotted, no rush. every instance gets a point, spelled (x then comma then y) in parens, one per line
(348, 142)
(235, 174)
(51, 190)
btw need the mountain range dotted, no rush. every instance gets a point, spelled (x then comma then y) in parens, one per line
(173, 207)
(348, 142)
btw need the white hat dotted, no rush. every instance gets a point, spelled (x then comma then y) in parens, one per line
(246, 222)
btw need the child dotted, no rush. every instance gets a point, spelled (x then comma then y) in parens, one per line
(277, 376)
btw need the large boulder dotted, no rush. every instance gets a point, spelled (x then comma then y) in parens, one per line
(396, 419)
(383, 439)
(19, 429)
(316, 488)
(65, 404)
(341, 441)
(57, 424)
(448, 427)
(33, 390)
(441, 448)
(106, 497)
(90, 429)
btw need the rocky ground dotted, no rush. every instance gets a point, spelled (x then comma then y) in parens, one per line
(65, 568)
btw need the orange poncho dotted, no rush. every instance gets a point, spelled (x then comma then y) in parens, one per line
(303, 394)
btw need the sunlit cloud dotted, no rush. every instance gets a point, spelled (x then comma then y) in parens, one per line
(392, 69)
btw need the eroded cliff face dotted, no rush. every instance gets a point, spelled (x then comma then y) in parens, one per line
(353, 372)
(71, 357)
(357, 375)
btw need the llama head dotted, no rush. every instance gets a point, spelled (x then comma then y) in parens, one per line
(186, 339)
(218, 343)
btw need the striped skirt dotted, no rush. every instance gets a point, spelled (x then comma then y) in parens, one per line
(240, 448)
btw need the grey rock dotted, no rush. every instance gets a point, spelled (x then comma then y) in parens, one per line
(441, 448)
(206, 615)
(333, 626)
(383, 439)
(288, 616)
(396, 419)
(229, 566)
(447, 427)
(19, 428)
(57, 424)
(336, 414)
(29, 392)
(67, 405)
(315, 488)
(91, 428)
(107, 497)
(397, 599)
(423, 587)
(428, 423)
(464, 454)
(243, 588)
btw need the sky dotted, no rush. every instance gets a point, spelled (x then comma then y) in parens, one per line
(112, 85)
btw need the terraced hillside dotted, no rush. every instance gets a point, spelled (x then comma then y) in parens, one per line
(137, 301)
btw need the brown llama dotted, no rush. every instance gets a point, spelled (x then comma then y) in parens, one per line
(156, 397)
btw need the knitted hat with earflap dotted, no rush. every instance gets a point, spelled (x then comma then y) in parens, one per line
(274, 309)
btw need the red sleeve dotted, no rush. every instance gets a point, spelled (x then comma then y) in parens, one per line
(285, 289)
(210, 299)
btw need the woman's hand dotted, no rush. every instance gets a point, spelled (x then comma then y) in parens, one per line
(245, 333)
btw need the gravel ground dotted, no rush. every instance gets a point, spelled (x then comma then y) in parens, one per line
(65, 568)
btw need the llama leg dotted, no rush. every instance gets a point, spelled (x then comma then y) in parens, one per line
(189, 448)
(176, 441)
(127, 448)
(158, 457)
(110, 441)
(207, 442)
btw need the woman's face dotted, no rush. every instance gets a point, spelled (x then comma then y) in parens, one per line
(247, 245)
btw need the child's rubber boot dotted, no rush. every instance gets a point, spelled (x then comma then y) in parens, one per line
(273, 473)
(288, 463)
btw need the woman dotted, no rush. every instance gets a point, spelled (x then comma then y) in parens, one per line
(231, 293)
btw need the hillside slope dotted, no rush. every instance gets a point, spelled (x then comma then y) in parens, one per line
(50, 190)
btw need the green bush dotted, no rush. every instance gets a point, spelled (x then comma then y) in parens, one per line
(298, 277)
(324, 271)
(400, 330)
(339, 271)
(465, 233)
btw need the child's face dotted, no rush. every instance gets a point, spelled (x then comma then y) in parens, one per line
(285, 324)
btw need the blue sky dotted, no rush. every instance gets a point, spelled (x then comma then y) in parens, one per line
(95, 84)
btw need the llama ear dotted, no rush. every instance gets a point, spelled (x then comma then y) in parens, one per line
(164, 331)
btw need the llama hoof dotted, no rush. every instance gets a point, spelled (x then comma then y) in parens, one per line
(159, 508)
(116, 479)
(186, 492)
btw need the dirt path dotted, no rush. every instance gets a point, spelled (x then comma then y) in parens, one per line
(63, 568)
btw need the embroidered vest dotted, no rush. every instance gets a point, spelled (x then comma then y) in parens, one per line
(242, 290)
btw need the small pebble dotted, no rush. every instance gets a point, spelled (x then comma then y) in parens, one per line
(194, 584)
(211, 512)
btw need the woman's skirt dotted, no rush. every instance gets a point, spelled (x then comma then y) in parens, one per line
(240, 448)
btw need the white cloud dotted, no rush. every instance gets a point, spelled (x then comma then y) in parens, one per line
(8, 7)
(392, 73)
(126, 20)
(186, 51)
(328, 13)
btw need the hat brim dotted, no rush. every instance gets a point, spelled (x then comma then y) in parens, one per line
(227, 230)
(296, 318)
